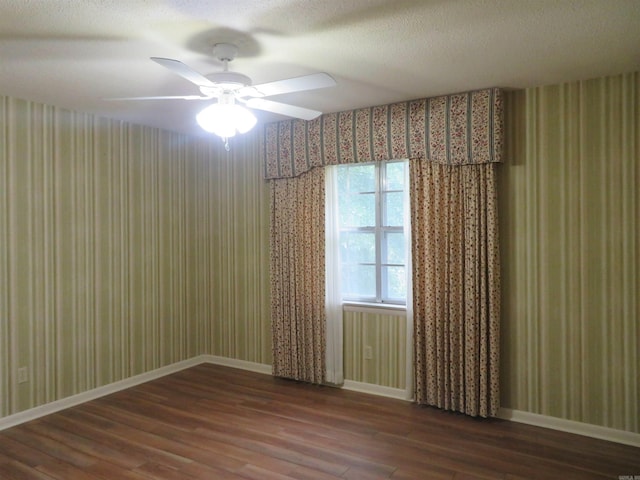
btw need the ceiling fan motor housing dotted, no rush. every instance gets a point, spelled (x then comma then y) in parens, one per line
(225, 82)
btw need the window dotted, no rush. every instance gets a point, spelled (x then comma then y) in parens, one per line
(371, 206)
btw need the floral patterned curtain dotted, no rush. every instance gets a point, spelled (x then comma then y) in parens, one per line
(297, 277)
(453, 142)
(456, 286)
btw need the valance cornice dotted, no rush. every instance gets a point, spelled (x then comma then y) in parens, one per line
(460, 129)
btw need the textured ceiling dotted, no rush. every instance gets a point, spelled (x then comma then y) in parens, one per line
(74, 54)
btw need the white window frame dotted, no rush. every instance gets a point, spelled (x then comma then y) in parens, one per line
(379, 231)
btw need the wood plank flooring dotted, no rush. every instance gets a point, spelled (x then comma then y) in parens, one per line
(213, 422)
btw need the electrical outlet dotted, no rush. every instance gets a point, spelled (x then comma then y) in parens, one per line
(368, 352)
(23, 375)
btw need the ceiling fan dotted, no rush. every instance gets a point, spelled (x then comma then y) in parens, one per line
(232, 90)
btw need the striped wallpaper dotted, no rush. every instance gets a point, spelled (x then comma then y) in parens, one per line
(386, 334)
(570, 235)
(230, 211)
(123, 249)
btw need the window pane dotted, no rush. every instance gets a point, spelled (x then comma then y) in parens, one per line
(356, 178)
(394, 209)
(395, 176)
(371, 216)
(357, 210)
(396, 283)
(357, 247)
(393, 251)
(362, 178)
(343, 181)
(359, 281)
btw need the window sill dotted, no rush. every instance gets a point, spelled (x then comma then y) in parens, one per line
(383, 308)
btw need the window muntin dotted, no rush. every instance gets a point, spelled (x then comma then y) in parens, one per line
(372, 242)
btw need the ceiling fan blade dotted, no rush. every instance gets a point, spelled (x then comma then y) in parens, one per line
(181, 69)
(283, 109)
(171, 97)
(289, 85)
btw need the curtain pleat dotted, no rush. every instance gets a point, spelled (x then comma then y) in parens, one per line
(456, 294)
(298, 277)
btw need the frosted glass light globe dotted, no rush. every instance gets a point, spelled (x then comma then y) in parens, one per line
(225, 119)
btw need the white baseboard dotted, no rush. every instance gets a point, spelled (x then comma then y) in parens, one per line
(379, 390)
(52, 407)
(235, 363)
(570, 426)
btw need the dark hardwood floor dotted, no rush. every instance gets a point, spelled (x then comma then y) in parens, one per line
(212, 422)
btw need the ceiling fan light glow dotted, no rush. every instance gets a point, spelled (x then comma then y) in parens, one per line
(226, 119)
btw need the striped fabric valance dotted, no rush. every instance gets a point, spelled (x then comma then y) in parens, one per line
(458, 129)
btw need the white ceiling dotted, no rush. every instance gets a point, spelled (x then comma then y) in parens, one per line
(76, 53)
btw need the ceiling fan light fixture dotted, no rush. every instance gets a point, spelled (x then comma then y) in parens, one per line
(226, 119)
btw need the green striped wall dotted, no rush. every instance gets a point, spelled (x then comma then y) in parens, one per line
(570, 238)
(386, 334)
(123, 249)
(230, 208)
